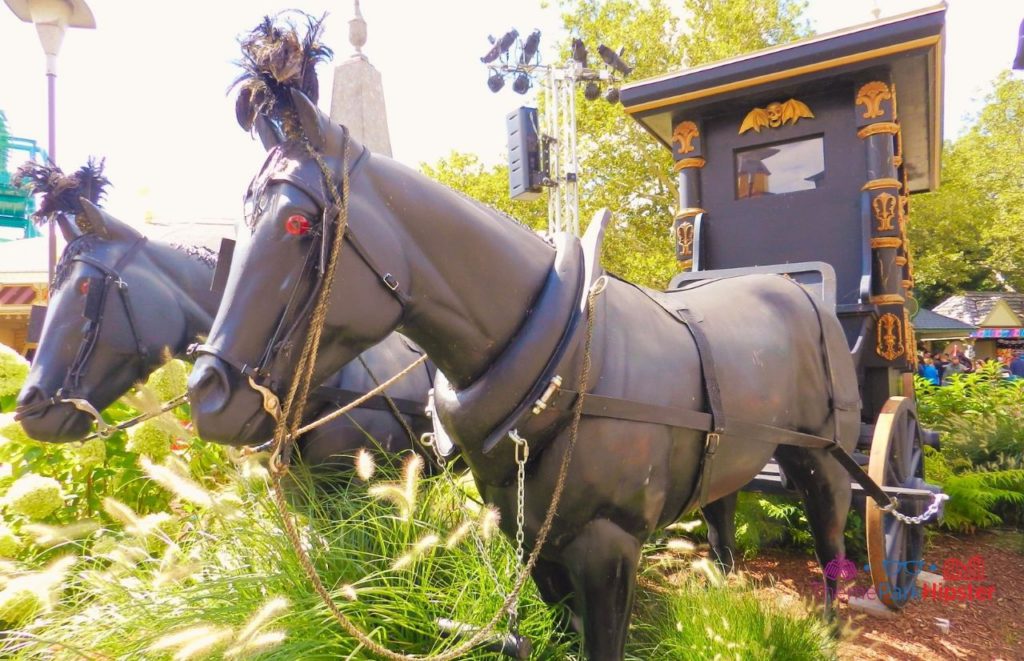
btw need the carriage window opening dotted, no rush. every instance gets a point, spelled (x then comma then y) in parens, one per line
(780, 168)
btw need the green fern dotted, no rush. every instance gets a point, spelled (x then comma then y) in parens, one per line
(974, 496)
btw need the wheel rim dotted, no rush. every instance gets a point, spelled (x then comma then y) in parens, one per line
(895, 549)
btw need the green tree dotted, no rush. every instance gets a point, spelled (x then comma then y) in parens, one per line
(622, 168)
(967, 234)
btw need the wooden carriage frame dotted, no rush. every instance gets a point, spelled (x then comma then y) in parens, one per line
(801, 159)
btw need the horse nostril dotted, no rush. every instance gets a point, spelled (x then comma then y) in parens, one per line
(208, 386)
(30, 398)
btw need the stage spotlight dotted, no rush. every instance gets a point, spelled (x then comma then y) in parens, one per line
(612, 95)
(501, 46)
(591, 92)
(530, 47)
(579, 52)
(521, 84)
(613, 59)
(495, 82)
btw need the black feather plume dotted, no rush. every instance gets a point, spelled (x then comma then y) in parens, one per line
(61, 193)
(276, 59)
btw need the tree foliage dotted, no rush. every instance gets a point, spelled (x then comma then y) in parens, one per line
(967, 234)
(622, 167)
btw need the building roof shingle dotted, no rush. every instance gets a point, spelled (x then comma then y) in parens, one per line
(973, 306)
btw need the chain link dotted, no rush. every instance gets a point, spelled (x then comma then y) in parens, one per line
(933, 509)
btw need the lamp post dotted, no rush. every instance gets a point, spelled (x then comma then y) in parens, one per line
(52, 18)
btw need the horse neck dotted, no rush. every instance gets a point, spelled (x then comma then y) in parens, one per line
(188, 278)
(473, 272)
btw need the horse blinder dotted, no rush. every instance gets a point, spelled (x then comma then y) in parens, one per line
(94, 289)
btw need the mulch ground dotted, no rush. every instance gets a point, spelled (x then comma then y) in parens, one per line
(978, 628)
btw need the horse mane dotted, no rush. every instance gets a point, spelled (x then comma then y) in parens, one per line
(204, 254)
(80, 244)
(61, 193)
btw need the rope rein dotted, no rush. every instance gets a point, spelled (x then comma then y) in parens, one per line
(287, 429)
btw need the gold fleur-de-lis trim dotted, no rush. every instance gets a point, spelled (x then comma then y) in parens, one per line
(890, 337)
(884, 208)
(684, 134)
(871, 95)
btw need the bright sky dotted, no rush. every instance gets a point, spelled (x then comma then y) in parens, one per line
(146, 89)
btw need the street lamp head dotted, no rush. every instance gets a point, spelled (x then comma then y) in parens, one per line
(69, 13)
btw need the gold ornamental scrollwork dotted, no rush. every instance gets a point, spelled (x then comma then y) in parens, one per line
(775, 115)
(684, 134)
(886, 182)
(878, 127)
(696, 162)
(684, 237)
(871, 95)
(884, 208)
(890, 337)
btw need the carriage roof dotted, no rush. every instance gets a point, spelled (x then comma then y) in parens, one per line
(909, 45)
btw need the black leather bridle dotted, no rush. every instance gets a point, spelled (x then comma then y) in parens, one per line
(95, 306)
(258, 374)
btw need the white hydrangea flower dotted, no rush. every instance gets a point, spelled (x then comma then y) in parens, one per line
(9, 543)
(169, 381)
(91, 453)
(150, 439)
(13, 371)
(35, 496)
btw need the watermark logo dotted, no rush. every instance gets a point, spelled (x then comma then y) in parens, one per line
(962, 580)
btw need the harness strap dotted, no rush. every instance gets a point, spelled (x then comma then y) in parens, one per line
(600, 406)
(714, 393)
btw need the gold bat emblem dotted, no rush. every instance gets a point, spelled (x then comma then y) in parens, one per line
(775, 115)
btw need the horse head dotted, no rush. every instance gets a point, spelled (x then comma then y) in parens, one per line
(278, 269)
(112, 318)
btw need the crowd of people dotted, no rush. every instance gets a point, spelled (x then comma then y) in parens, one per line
(939, 368)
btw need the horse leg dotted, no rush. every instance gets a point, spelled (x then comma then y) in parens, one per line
(825, 487)
(555, 587)
(721, 519)
(602, 560)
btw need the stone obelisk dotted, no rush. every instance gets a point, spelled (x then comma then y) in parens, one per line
(357, 99)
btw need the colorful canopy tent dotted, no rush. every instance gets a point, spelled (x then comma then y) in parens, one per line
(998, 317)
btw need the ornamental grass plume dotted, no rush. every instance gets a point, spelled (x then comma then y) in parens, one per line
(47, 536)
(181, 486)
(153, 530)
(194, 642)
(489, 520)
(250, 639)
(458, 534)
(403, 494)
(419, 548)
(13, 371)
(365, 465)
(33, 593)
(35, 496)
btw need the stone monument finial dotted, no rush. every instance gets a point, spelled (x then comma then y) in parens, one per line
(357, 31)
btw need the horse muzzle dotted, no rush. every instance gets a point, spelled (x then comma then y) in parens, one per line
(224, 409)
(51, 419)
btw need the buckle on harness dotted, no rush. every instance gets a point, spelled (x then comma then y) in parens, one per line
(542, 403)
(711, 443)
(390, 281)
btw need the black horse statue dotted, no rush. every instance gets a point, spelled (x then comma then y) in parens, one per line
(502, 312)
(142, 301)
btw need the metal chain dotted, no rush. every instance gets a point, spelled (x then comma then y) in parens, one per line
(933, 509)
(522, 454)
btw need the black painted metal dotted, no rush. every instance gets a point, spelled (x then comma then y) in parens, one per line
(167, 303)
(457, 259)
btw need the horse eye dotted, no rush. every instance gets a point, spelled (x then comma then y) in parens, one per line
(297, 225)
(83, 286)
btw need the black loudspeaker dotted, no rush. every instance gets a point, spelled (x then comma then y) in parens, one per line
(526, 161)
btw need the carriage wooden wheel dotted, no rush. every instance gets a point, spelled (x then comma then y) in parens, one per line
(894, 547)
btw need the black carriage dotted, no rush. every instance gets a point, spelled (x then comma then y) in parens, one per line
(801, 159)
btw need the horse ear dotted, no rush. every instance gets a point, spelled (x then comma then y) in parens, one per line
(310, 119)
(67, 228)
(94, 220)
(268, 132)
